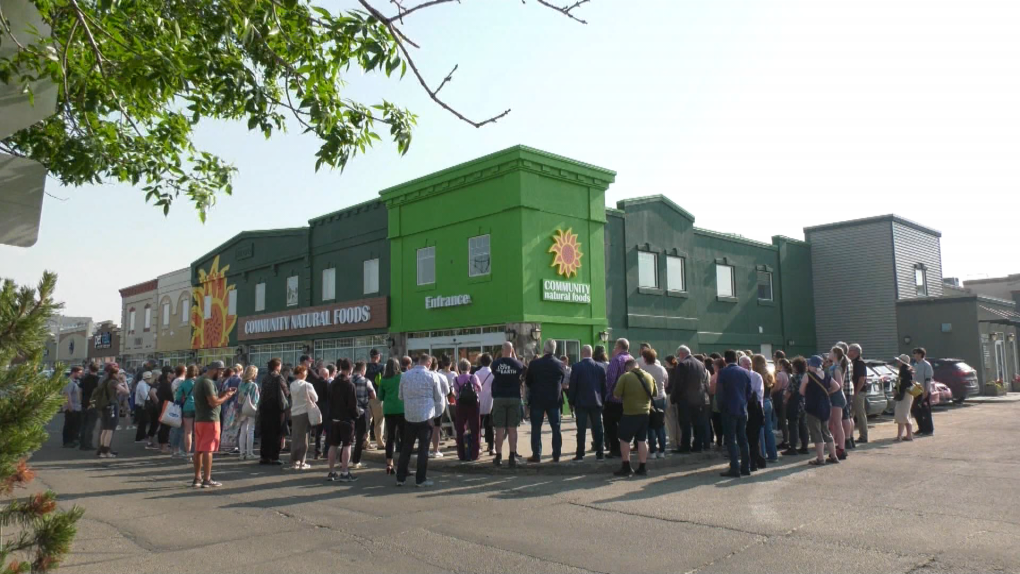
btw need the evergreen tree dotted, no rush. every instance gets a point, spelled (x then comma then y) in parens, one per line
(34, 535)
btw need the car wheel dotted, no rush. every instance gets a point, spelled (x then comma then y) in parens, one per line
(959, 401)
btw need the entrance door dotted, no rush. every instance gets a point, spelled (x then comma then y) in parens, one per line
(766, 349)
(1000, 360)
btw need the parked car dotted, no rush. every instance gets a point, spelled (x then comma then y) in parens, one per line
(874, 398)
(887, 375)
(940, 394)
(960, 377)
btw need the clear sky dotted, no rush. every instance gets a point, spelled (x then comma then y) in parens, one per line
(759, 117)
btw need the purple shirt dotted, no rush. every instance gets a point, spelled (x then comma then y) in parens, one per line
(613, 373)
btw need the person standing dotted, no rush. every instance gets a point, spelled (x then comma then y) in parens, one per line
(272, 410)
(143, 409)
(672, 418)
(207, 424)
(782, 378)
(613, 410)
(635, 389)
(587, 392)
(72, 409)
(544, 379)
(89, 413)
(904, 399)
(303, 399)
(440, 368)
(164, 396)
(923, 374)
(689, 383)
(393, 410)
(423, 399)
(247, 393)
(794, 406)
(506, 402)
(364, 392)
(768, 436)
(733, 393)
(755, 414)
(343, 402)
(374, 372)
(185, 396)
(484, 374)
(859, 371)
(838, 400)
(656, 415)
(467, 388)
(816, 387)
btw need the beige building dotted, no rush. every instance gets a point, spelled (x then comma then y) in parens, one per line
(1006, 288)
(138, 324)
(173, 334)
(69, 340)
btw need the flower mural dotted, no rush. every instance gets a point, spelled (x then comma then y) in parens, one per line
(568, 252)
(214, 330)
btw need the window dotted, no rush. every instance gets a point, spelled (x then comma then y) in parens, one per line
(166, 313)
(148, 317)
(232, 302)
(292, 291)
(648, 272)
(131, 320)
(478, 256)
(675, 278)
(427, 266)
(329, 284)
(921, 281)
(260, 296)
(724, 281)
(185, 306)
(371, 276)
(572, 349)
(207, 307)
(764, 285)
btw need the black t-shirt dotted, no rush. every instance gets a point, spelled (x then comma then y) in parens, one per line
(506, 378)
(343, 404)
(859, 368)
(88, 384)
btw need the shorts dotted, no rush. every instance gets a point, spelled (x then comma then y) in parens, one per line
(633, 427)
(340, 434)
(838, 400)
(207, 436)
(818, 430)
(108, 418)
(848, 411)
(506, 413)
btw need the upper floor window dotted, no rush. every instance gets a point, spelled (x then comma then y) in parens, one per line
(148, 317)
(329, 284)
(921, 281)
(260, 296)
(371, 272)
(478, 256)
(427, 265)
(185, 306)
(765, 285)
(166, 313)
(724, 286)
(648, 269)
(131, 320)
(676, 279)
(292, 291)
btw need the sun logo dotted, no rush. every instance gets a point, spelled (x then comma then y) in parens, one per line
(568, 252)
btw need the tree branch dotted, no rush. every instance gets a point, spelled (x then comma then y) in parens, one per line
(408, 11)
(421, 80)
(67, 48)
(566, 10)
(7, 28)
(447, 78)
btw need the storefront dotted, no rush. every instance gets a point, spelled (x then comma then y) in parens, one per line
(104, 344)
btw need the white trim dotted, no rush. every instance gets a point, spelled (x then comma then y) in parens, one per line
(480, 339)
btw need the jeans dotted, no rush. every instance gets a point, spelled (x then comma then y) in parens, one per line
(657, 434)
(553, 412)
(394, 434)
(583, 415)
(611, 415)
(88, 428)
(360, 429)
(421, 432)
(176, 437)
(72, 420)
(735, 431)
(770, 436)
(754, 426)
(246, 438)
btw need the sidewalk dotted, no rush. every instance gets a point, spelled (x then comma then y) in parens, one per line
(1007, 398)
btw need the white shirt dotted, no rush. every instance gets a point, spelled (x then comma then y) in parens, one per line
(758, 387)
(141, 393)
(176, 383)
(485, 377)
(301, 392)
(658, 372)
(445, 383)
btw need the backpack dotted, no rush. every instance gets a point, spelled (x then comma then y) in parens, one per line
(468, 397)
(817, 404)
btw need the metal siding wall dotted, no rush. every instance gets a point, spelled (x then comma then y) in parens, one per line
(855, 287)
(913, 246)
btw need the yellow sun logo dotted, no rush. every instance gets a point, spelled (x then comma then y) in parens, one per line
(568, 252)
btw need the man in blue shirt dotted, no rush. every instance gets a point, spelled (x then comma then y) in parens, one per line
(732, 390)
(587, 392)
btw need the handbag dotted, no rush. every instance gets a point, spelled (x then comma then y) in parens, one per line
(656, 412)
(171, 415)
(314, 414)
(916, 389)
(248, 408)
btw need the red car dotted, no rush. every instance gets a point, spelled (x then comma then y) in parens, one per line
(960, 377)
(940, 394)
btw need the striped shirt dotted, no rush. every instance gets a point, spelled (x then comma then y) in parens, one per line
(613, 373)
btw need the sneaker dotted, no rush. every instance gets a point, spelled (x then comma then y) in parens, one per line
(432, 454)
(210, 484)
(305, 466)
(400, 483)
(332, 477)
(498, 460)
(624, 472)
(358, 465)
(348, 477)
(425, 484)
(535, 459)
(491, 451)
(577, 459)
(196, 483)
(438, 454)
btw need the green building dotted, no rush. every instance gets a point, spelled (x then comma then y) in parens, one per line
(516, 245)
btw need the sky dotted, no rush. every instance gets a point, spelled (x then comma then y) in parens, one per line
(759, 117)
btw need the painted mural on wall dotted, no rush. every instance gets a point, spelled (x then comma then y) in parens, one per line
(568, 252)
(211, 317)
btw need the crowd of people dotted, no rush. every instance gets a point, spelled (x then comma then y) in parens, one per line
(640, 405)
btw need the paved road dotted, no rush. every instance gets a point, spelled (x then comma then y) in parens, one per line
(943, 504)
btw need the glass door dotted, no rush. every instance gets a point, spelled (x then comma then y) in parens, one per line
(1000, 360)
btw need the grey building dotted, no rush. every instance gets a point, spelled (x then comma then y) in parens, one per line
(900, 260)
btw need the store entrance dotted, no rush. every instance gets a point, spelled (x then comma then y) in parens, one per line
(466, 346)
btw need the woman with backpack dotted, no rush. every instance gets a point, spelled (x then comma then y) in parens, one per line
(248, 399)
(184, 396)
(815, 387)
(904, 400)
(105, 399)
(393, 410)
(466, 390)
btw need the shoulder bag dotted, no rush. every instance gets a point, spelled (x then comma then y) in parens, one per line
(314, 414)
(172, 414)
(248, 407)
(657, 410)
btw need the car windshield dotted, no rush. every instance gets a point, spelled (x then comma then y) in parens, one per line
(883, 370)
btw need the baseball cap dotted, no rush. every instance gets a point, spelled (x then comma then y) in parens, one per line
(815, 362)
(216, 365)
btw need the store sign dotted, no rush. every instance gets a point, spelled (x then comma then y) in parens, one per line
(103, 340)
(566, 291)
(440, 302)
(350, 316)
